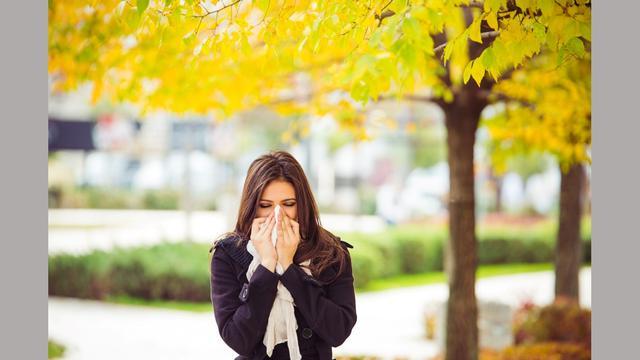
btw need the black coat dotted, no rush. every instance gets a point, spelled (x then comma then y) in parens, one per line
(325, 312)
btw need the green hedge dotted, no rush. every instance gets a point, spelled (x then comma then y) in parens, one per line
(170, 271)
(413, 249)
(180, 271)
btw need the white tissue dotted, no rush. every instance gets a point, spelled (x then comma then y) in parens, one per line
(274, 232)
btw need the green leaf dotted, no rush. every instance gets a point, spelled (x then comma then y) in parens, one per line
(576, 47)
(411, 29)
(477, 71)
(360, 91)
(262, 4)
(142, 6)
(488, 58)
(408, 55)
(364, 64)
(539, 31)
(436, 20)
(189, 38)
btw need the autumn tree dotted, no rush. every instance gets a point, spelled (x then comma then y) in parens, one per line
(323, 57)
(547, 109)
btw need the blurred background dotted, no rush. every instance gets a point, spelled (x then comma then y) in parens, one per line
(143, 199)
(136, 199)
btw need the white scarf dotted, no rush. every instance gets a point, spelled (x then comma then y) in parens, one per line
(282, 323)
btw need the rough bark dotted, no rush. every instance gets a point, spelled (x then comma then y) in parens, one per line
(569, 244)
(462, 117)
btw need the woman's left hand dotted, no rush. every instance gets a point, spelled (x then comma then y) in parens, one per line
(288, 240)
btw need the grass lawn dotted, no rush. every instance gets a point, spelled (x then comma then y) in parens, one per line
(166, 304)
(484, 271)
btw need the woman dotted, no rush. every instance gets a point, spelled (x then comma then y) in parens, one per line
(294, 300)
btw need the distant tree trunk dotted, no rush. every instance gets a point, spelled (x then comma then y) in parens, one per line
(569, 243)
(462, 117)
(497, 182)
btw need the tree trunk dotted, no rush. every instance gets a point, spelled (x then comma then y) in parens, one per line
(497, 183)
(569, 243)
(462, 117)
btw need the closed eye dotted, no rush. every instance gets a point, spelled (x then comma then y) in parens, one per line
(264, 206)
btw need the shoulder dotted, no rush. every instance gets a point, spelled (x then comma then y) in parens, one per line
(225, 241)
(233, 247)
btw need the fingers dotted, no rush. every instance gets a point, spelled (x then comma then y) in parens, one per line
(280, 230)
(268, 227)
(296, 228)
(264, 224)
(289, 230)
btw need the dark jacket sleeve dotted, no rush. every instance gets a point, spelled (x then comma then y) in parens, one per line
(241, 312)
(329, 311)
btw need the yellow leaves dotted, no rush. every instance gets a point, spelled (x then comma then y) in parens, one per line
(245, 55)
(549, 111)
(493, 5)
(466, 74)
(96, 91)
(474, 69)
(477, 72)
(474, 30)
(492, 20)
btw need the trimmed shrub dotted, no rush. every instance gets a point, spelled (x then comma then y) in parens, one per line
(384, 248)
(161, 199)
(84, 277)
(180, 271)
(167, 271)
(419, 249)
(366, 263)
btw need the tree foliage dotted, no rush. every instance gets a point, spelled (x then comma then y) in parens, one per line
(300, 56)
(546, 109)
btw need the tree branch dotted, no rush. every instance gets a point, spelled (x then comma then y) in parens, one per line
(484, 35)
(216, 10)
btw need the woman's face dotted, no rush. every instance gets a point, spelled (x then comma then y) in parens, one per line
(278, 192)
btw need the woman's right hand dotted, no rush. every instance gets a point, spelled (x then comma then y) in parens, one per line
(261, 229)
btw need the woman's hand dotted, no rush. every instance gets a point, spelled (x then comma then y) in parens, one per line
(288, 240)
(261, 229)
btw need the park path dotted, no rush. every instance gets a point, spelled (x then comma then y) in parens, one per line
(389, 322)
(78, 231)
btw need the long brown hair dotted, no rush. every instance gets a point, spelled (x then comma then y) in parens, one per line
(316, 244)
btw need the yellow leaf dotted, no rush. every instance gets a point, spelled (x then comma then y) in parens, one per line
(467, 71)
(474, 30)
(492, 20)
(96, 91)
(477, 71)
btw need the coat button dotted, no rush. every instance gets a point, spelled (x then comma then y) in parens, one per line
(244, 293)
(307, 333)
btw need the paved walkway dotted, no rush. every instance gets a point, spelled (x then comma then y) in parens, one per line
(96, 330)
(82, 230)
